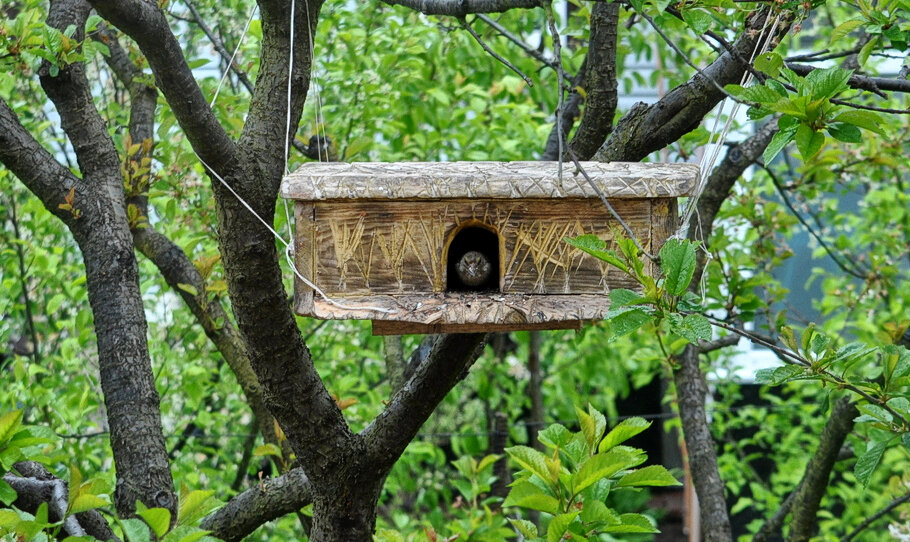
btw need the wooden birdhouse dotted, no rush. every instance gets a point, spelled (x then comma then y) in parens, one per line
(395, 242)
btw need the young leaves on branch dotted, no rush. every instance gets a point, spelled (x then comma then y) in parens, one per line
(571, 482)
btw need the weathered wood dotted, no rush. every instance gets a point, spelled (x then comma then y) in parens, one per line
(376, 239)
(464, 308)
(401, 247)
(326, 181)
(389, 327)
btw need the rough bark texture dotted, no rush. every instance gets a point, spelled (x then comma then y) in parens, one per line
(645, 129)
(811, 489)
(102, 233)
(599, 84)
(691, 392)
(261, 503)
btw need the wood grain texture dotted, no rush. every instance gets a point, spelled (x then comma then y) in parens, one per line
(402, 247)
(388, 327)
(326, 181)
(466, 308)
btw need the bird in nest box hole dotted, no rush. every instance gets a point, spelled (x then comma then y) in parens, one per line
(474, 268)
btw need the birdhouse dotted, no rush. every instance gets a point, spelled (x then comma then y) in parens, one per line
(459, 247)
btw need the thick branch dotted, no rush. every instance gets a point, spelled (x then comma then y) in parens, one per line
(460, 8)
(146, 24)
(36, 485)
(262, 503)
(599, 83)
(691, 392)
(645, 129)
(812, 487)
(448, 363)
(35, 166)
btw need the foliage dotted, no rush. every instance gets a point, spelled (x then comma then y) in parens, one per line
(571, 483)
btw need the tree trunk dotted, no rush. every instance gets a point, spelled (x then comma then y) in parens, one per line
(346, 512)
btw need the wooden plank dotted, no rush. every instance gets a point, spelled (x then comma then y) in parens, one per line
(304, 255)
(464, 308)
(325, 181)
(381, 327)
(367, 248)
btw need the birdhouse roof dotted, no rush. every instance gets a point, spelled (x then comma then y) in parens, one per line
(321, 181)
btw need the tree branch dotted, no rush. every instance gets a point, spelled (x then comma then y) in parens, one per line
(36, 485)
(876, 516)
(147, 25)
(460, 8)
(645, 129)
(264, 502)
(449, 360)
(599, 82)
(860, 82)
(811, 489)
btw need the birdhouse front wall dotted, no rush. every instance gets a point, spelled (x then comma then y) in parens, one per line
(371, 248)
(374, 249)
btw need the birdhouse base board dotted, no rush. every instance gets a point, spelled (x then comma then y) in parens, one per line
(388, 327)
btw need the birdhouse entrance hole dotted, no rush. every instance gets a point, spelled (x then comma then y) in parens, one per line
(476, 248)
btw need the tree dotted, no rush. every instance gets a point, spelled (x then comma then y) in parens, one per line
(118, 132)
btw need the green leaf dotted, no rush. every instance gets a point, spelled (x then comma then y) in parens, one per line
(135, 530)
(620, 297)
(778, 142)
(555, 436)
(9, 425)
(868, 120)
(808, 141)
(677, 260)
(867, 462)
(597, 511)
(778, 375)
(698, 19)
(847, 133)
(596, 247)
(601, 466)
(194, 505)
(628, 321)
(159, 519)
(623, 431)
(527, 495)
(7, 493)
(876, 412)
(843, 29)
(632, 523)
(188, 288)
(653, 475)
(531, 460)
(267, 449)
(770, 63)
(559, 525)
(867, 49)
(525, 528)
(825, 83)
(692, 327)
(87, 501)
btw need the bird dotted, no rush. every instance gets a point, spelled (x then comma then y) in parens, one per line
(473, 268)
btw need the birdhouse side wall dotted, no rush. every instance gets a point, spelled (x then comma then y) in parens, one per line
(364, 248)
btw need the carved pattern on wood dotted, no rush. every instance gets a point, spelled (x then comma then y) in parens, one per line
(317, 181)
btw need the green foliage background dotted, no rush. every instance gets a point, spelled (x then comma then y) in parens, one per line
(392, 85)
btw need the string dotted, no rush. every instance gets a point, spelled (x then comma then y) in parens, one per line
(236, 49)
(709, 158)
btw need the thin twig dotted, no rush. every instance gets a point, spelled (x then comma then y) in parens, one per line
(560, 76)
(467, 26)
(687, 60)
(531, 51)
(870, 107)
(793, 358)
(860, 274)
(609, 207)
(868, 521)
